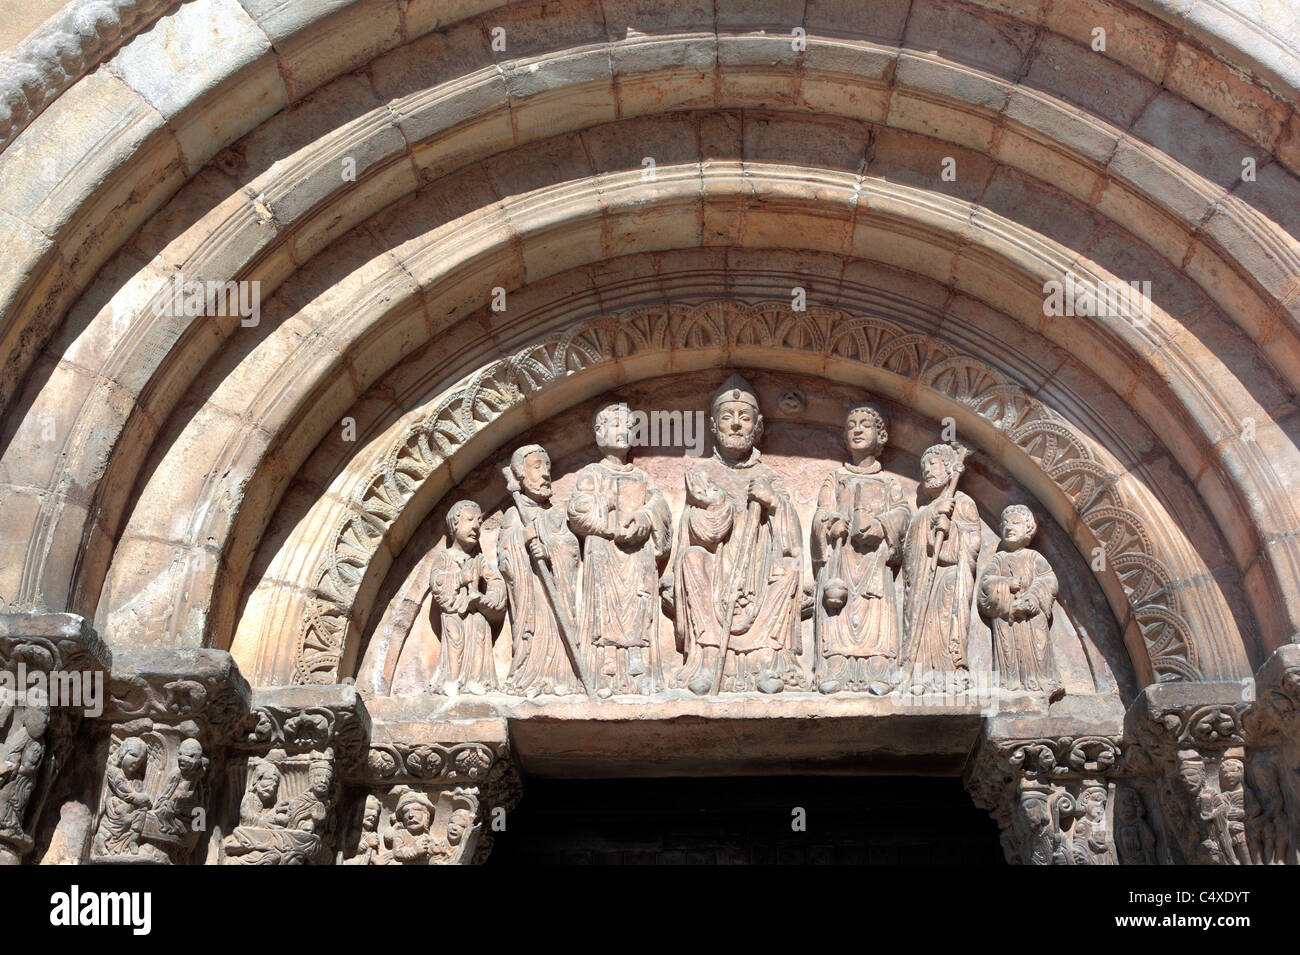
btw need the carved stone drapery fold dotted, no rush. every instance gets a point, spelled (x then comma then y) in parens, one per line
(52, 667)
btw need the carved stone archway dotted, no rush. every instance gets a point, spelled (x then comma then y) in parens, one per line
(215, 510)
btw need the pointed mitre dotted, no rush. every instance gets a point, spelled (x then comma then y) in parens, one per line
(735, 388)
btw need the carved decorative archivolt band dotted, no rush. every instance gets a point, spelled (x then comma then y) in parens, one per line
(1046, 437)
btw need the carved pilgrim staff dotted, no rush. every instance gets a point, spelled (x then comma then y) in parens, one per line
(729, 602)
(548, 581)
(949, 493)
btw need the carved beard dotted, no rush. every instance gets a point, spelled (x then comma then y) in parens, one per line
(538, 490)
(936, 483)
(735, 441)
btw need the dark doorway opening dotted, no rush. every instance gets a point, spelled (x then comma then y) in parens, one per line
(747, 821)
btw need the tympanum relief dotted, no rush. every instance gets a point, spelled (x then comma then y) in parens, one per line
(712, 584)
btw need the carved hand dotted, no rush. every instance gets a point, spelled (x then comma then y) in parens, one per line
(636, 528)
(537, 550)
(837, 526)
(703, 491)
(945, 506)
(761, 491)
(871, 535)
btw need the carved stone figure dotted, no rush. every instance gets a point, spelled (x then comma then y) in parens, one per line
(626, 530)
(369, 845)
(24, 749)
(941, 551)
(1135, 843)
(737, 576)
(1230, 808)
(1188, 807)
(539, 663)
(412, 838)
(274, 831)
(1267, 825)
(126, 804)
(470, 595)
(258, 807)
(1016, 592)
(857, 544)
(1038, 827)
(1090, 841)
(182, 792)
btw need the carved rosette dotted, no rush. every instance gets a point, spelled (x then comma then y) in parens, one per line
(282, 784)
(1051, 796)
(51, 673)
(171, 715)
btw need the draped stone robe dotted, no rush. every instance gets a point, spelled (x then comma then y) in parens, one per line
(867, 628)
(708, 576)
(938, 593)
(1022, 649)
(538, 661)
(620, 582)
(465, 655)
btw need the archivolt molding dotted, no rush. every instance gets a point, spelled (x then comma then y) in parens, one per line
(864, 218)
(62, 50)
(308, 200)
(237, 240)
(1156, 604)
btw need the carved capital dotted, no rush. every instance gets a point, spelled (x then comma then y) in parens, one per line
(430, 794)
(300, 719)
(172, 713)
(51, 673)
(281, 796)
(203, 686)
(1050, 792)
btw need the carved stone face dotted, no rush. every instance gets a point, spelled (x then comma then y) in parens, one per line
(1094, 804)
(734, 427)
(133, 756)
(1191, 774)
(321, 778)
(1231, 774)
(1036, 814)
(1017, 528)
(934, 473)
(459, 822)
(613, 431)
(370, 815)
(860, 433)
(469, 523)
(415, 819)
(536, 478)
(189, 757)
(267, 783)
